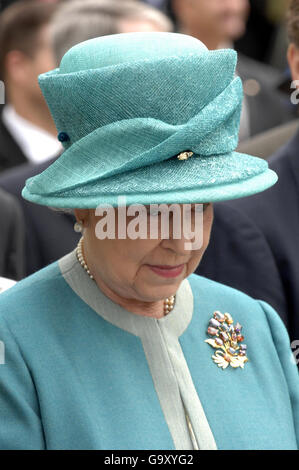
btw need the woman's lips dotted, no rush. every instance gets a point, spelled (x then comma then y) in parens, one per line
(167, 271)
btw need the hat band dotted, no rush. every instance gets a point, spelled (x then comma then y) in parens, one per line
(136, 143)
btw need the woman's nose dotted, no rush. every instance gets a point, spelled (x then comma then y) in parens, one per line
(186, 237)
(178, 246)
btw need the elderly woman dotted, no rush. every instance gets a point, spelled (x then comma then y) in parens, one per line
(118, 345)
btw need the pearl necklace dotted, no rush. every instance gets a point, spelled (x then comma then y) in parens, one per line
(80, 257)
(168, 303)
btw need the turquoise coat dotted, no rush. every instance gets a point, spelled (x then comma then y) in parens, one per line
(80, 372)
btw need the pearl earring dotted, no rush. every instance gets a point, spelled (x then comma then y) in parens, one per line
(78, 227)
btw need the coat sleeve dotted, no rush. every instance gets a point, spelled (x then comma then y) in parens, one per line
(20, 423)
(287, 359)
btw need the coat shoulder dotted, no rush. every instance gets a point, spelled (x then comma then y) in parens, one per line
(31, 294)
(208, 288)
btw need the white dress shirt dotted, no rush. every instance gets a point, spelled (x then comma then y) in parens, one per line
(6, 284)
(37, 144)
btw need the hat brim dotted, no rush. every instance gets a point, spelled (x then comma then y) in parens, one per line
(196, 180)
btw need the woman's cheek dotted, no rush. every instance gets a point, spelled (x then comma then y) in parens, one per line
(194, 261)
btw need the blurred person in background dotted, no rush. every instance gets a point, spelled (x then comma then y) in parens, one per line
(275, 13)
(27, 131)
(219, 23)
(49, 234)
(275, 215)
(265, 33)
(266, 39)
(11, 238)
(77, 21)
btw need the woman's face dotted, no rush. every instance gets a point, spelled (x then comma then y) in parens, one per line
(146, 270)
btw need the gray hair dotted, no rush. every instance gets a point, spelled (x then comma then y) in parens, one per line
(77, 21)
(61, 211)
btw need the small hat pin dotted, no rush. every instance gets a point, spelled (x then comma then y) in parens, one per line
(185, 155)
(63, 137)
(227, 340)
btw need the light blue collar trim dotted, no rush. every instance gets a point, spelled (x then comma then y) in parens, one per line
(176, 321)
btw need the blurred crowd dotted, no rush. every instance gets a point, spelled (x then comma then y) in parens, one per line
(260, 255)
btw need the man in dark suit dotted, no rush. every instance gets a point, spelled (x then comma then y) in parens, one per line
(11, 238)
(275, 214)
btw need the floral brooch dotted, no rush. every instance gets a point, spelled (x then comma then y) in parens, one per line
(227, 340)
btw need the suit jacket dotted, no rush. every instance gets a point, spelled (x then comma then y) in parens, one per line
(49, 234)
(11, 237)
(10, 153)
(268, 107)
(271, 270)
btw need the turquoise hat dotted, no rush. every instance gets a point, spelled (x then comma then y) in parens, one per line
(127, 107)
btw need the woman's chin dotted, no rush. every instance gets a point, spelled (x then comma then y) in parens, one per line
(155, 293)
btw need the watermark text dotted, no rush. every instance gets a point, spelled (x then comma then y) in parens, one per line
(154, 222)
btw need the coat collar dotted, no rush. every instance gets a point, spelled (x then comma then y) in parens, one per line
(176, 321)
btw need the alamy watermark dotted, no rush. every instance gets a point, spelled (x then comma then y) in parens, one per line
(154, 222)
(2, 92)
(295, 351)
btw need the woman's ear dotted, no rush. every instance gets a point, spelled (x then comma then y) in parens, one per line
(83, 216)
(293, 59)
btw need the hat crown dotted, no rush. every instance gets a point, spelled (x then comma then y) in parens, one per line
(124, 48)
